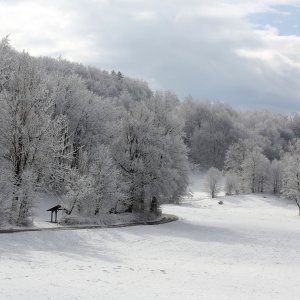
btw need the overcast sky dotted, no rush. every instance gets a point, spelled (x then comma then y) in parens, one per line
(246, 53)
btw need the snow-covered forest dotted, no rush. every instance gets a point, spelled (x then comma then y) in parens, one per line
(107, 144)
(256, 151)
(104, 143)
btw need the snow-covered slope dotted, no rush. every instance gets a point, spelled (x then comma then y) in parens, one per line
(248, 248)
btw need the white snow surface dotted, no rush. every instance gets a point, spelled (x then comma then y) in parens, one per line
(248, 248)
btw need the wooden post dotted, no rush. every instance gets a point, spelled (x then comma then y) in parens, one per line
(51, 216)
(56, 216)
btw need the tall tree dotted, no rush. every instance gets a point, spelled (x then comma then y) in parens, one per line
(291, 174)
(30, 137)
(212, 181)
(255, 171)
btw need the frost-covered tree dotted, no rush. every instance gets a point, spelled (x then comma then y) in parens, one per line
(77, 200)
(291, 173)
(235, 156)
(30, 136)
(137, 150)
(255, 171)
(166, 109)
(150, 153)
(107, 184)
(232, 183)
(210, 127)
(276, 176)
(291, 182)
(270, 131)
(212, 181)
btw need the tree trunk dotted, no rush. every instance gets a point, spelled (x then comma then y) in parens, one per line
(15, 201)
(23, 211)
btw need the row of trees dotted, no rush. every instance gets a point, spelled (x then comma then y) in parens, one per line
(103, 142)
(247, 169)
(257, 151)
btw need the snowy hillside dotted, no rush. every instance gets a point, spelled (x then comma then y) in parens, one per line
(248, 248)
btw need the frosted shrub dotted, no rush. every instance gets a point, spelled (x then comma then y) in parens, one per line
(212, 181)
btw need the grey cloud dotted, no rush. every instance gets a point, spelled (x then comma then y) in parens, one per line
(182, 47)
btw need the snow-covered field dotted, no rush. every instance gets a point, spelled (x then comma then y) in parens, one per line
(248, 248)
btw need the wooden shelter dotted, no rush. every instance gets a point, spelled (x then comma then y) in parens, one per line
(54, 209)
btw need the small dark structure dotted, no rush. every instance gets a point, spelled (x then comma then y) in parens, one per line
(54, 209)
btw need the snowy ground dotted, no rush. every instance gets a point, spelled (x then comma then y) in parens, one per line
(248, 248)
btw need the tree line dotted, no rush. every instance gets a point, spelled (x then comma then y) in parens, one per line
(257, 151)
(107, 144)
